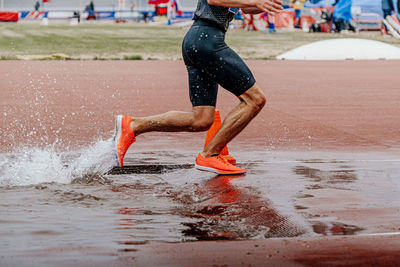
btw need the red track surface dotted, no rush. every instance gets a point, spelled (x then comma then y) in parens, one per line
(346, 105)
(311, 105)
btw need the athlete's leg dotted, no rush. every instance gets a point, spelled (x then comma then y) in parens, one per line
(200, 119)
(251, 103)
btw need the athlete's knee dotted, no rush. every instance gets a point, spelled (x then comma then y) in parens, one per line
(203, 118)
(202, 124)
(260, 101)
(254, 98)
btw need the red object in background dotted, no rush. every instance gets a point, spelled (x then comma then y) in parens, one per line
(46, 1)
(325, 27)
(158, 2)
(285, 19)
(309, 20)
(174, 6)
(248, 23)
(9, 16)
(161, 11)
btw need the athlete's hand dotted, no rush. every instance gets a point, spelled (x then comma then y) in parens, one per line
(269, 6)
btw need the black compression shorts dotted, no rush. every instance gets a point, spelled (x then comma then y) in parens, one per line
(210, 61)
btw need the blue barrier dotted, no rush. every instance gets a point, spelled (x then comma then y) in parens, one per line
(100, 15)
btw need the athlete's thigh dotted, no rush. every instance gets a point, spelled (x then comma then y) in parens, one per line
(203, 90)
(231, 72)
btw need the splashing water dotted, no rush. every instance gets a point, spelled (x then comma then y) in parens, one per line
(35, 166)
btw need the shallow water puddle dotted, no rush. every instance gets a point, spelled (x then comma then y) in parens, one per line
(159, 196)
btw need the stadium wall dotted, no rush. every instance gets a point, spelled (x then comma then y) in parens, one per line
(100, 5)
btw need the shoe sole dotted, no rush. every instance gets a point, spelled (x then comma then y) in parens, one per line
(202, 168)
(118, 132)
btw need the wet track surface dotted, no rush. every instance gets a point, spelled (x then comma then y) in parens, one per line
(323, 168)
(284, 195)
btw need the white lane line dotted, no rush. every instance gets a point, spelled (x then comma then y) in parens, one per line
(329, 161)
(371, 160)
(380, 234)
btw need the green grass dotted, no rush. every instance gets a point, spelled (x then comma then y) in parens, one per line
(7, 58)
(133, 58)
(139, 41)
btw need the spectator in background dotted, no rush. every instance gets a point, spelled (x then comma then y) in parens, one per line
(271, 23)
(323, 23)
(77, 15)
(298, 6)
(146, 17)
(286, 3)
(342, 15)
(387, 8)
(270, 20)
(90, 10)
(398, 9)
(37, 6)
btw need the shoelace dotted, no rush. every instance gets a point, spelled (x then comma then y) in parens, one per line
(224, 160)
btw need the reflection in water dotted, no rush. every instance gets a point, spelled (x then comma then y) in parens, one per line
(213, 210)
(127, 211)
(324, 178)
(126, 224)
(230, 212)
(328, 179)
(335, 228)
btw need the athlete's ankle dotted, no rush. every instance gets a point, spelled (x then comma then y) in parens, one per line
(207, 154)
(135, 126)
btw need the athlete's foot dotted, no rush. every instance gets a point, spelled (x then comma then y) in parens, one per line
(230, 159)
(124, 137)
(217, 164)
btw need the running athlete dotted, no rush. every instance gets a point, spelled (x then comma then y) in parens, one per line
(210, 62)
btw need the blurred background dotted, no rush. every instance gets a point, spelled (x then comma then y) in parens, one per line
(367, 11)
(153, 29)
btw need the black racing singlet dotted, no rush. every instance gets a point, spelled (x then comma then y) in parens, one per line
(219, 15)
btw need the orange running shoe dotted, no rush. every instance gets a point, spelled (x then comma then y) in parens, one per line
(124, 137)
(230, 159)
(217, 164)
